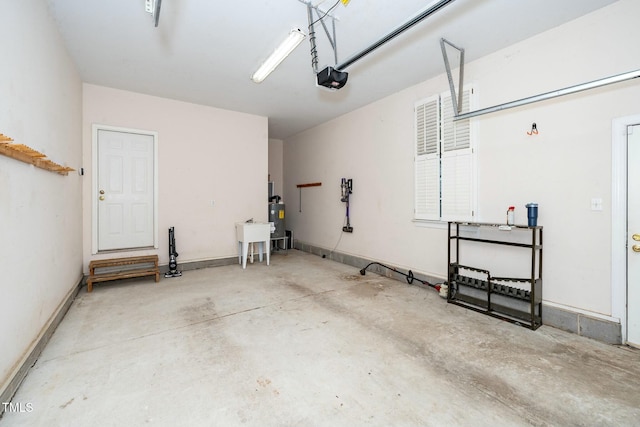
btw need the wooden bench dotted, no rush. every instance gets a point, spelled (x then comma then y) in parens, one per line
(145, 269)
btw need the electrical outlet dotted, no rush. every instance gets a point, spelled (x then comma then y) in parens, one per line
(596, 204)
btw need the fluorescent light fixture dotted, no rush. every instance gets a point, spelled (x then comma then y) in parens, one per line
(153, 7)
(292, 41)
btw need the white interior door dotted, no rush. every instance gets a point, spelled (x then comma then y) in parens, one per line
(633, 235)
(125, 190)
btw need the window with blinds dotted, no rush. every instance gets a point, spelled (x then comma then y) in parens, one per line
(443, 160)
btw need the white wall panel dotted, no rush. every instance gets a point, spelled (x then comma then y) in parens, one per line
(40, 211)
(212, 168)
(562, 168)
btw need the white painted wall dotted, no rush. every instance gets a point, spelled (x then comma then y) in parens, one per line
(40, 211)
(275, 165)
(562, 168)
(205, 154)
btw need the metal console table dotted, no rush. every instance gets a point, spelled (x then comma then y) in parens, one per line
(514, 299)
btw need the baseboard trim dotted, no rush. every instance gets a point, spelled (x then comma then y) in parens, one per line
(31, 358)
(606, 331)
(581, 324)
(361, 262)
(196, 265)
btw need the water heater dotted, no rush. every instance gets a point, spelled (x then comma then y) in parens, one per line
(276, 216)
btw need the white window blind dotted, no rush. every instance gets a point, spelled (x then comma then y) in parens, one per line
(427, 159)
(443, 160)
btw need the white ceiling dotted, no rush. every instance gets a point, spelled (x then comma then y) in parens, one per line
(204, 51)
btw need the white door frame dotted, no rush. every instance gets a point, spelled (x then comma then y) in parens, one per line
(94, 178)
(619, 219)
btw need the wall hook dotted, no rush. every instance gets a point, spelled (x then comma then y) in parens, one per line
(534, 130)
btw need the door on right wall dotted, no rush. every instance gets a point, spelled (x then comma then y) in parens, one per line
(633, 235)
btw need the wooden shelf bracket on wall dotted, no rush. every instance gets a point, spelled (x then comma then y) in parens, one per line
(29, 155)
(300, 187)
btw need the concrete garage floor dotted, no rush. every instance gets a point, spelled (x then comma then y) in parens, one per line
(310, 342)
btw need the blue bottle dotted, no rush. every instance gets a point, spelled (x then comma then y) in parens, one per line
(532, 214)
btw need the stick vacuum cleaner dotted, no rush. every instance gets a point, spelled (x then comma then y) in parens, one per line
(173, 255)
(346, 187)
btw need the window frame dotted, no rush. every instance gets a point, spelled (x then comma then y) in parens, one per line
(451, 173)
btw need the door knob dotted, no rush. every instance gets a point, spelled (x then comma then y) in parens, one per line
(101, 191)
(101, 197)
(636, 237)
(636, 248)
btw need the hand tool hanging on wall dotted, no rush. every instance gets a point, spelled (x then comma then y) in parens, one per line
(173, 255)
(347, 188)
